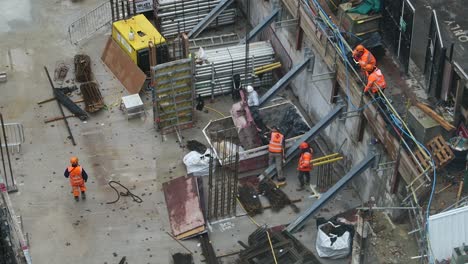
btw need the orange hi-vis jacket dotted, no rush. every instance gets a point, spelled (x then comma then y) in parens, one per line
(376, 77)
(276, 143)
(304, 162)
(76, 179)
(366, 58)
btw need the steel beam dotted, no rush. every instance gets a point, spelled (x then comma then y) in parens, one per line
(293, 151)
(356, 170)
(261, 26)
(283, 82)
(214, 13)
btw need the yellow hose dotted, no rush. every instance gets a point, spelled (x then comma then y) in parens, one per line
(268, 233)
(214, 110)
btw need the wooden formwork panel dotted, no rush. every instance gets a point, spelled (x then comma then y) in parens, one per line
(122, 66)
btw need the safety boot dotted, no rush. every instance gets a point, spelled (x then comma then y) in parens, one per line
(83, 195)
(300, 188)
(77, 198)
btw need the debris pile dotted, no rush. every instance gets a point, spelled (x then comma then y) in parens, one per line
(194, 145)
(180, 258)
(287, 249)
(61, 71)
(249, 199)
(277, 198)
(292, 125)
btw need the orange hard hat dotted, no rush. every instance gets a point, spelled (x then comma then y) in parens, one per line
(359, 47)
(304, 145)
(74, 160)
(369, 67)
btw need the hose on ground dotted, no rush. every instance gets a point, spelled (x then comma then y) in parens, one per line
(135, 198)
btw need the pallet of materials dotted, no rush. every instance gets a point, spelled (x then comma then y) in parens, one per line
(178, 16)
(214, 75)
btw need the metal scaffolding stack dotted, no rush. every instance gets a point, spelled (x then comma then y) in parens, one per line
(177, 16)
(214, 76)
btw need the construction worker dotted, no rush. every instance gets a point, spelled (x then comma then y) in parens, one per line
(252, 97)
(253, 103)
(276, 152)
(236, 86)
(363, 57)
(375, 79)
(78, 177)
(304, 166)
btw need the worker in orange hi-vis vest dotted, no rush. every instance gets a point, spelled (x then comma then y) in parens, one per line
(276, 152)
(78, 177)
(375, 79)
(304, 166)
(363, 57)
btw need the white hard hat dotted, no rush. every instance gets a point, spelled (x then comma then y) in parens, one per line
(250, 89)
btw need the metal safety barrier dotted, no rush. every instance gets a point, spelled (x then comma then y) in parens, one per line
(15, 248)
(6, 170)
(14, 134)
(87, 25)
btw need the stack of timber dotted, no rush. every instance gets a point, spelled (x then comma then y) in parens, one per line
(179, 16)
(214, 76)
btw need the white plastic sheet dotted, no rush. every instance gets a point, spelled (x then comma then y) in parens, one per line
(198, 164)
(328, 247)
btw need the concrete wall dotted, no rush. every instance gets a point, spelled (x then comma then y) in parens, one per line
(314, 97)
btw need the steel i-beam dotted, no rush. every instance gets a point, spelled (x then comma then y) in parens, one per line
(210, 17)
(293, 151)
(283, 82)
(356, 170)
(261, 26)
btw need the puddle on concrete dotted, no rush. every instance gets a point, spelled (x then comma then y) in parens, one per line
(14, 13)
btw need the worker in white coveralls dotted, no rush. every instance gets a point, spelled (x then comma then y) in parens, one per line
(253, 103)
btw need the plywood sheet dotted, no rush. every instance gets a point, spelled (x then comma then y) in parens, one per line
(183, 205)
(124, 69)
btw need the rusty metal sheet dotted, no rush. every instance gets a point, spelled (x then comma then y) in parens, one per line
(183, 205)
(126, 71)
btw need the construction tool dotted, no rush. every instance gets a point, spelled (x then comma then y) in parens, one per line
(443, 189)
(51, 99)
(53, 119)
(60, 107)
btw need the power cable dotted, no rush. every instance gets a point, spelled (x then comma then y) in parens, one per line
(135, 198)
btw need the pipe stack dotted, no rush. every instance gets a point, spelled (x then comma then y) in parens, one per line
(214, 76)
(173, 16)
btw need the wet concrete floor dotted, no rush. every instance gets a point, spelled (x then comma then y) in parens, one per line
(110, 147)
